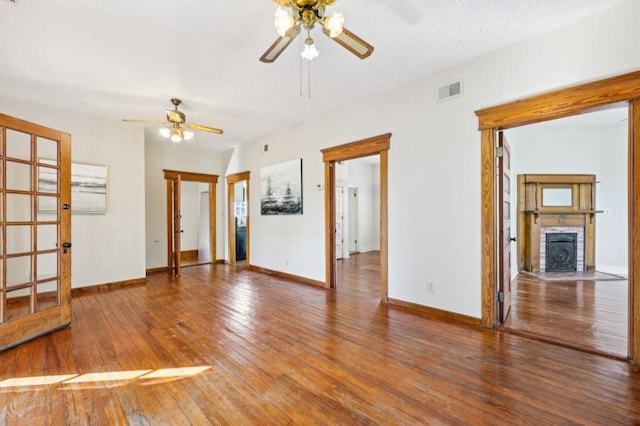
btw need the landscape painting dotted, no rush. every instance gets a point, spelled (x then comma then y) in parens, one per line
(88, 188)
(281, 188)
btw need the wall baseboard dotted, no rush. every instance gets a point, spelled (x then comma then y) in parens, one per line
(79, 291)
(437, 313)
(189, 254)
(160, 269)
(286, 276)
(222, 261)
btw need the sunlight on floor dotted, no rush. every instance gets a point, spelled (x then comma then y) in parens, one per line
(109, 376)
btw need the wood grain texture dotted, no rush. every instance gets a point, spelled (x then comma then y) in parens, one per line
(488, 250)
(589, 314)
(362, 148)
(384, 226)
(274, 352)
(561, 103)
(634, 231)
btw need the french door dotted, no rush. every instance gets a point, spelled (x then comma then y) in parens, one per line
(35, 230)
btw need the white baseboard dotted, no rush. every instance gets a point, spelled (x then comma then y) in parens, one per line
(613, 269)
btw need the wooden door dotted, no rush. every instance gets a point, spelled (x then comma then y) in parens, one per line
(35, 230)
(339, 222)
(504, 219)
(177, 224)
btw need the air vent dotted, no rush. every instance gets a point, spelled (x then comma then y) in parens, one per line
(451, 90)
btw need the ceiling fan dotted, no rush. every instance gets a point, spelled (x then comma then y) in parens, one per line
(305, 14)
(176, 127)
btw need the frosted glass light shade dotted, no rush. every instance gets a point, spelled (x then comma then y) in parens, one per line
(334, 24)
(282, 21)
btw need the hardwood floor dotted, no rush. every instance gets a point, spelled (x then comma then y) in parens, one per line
(589, 313)
(224, 345)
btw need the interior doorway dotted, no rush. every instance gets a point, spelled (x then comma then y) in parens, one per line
(602, 94)
(358, 225)
(175, 218)
(238, 224)
(375, 146)
(194, 209)
(573, 170)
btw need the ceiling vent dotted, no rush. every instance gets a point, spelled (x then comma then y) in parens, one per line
(450, 91)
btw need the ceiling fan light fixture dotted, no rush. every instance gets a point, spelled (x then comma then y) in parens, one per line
(310, 52)
(188, 135)
(177, 134)
(165, 132)
(334, 24)
(283, 21)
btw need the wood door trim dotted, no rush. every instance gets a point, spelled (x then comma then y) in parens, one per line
(171, 176)
(602, 94)
(190, 176)
(232, 179)
(634, 230)
(377, 145)
(561, 103)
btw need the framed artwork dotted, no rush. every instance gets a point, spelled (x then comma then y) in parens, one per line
(88, 187)
(281, 188)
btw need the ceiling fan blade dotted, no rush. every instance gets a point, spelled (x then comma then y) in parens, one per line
(143, 121)
(205, 128)
(279, 45)
(352, 43)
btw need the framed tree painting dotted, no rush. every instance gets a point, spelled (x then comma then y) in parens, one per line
(281, 188)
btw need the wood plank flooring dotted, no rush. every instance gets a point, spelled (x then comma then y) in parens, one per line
(589, 314)
(224, 345)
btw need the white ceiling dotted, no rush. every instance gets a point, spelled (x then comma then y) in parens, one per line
(125, 59)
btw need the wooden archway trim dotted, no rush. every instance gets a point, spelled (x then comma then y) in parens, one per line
(377, 145)
(561, 103)
(231, 181)
(173, 176)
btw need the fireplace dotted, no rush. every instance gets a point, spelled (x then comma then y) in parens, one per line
(561, 252)
(556, 204)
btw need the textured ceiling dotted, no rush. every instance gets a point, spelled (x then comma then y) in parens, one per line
(125, 59)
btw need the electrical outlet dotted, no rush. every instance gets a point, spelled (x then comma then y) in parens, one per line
(431, 287)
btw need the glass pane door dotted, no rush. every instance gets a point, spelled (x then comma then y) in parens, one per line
(35, 223)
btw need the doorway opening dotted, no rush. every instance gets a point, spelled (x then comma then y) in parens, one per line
(177, 219)
(238, 217)
(599, 95)
(377, 146)
(358, 225)
(569, 205)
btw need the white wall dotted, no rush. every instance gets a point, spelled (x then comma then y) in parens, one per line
(363, 176)
(434, 160)
(190, 212)
(106, 247)
(163, 154)
(598, 151)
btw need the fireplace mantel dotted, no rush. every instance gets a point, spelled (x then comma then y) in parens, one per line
(547, 202)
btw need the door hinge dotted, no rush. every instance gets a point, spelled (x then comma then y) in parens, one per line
(501, 297)
(499, 152)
